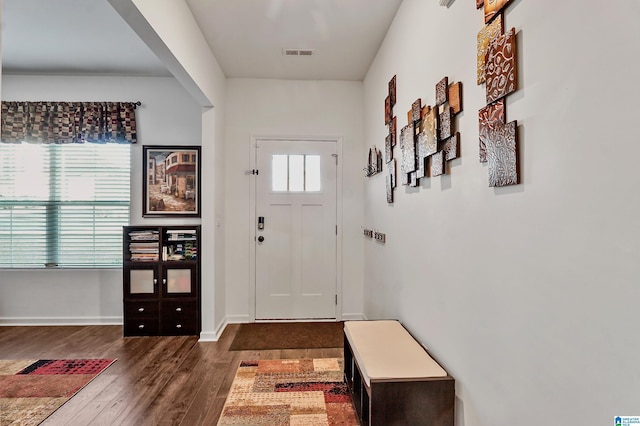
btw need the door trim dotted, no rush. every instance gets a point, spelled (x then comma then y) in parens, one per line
(253, 218)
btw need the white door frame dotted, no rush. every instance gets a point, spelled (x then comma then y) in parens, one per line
(253, 217)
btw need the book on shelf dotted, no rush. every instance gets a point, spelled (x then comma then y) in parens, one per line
(142, 257)
(147, 234)
(181, 234)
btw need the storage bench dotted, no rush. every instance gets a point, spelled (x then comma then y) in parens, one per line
(392, 378)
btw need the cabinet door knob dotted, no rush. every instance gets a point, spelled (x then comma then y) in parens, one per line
(178, 325)
(178, 309)
(141, 326)
(155, 281)
(140, 309)
(164, 281)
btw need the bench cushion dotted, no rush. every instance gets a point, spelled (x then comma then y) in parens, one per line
(384, 351)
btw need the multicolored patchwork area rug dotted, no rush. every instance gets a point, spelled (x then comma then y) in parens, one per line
(30, 390)
(289, 392)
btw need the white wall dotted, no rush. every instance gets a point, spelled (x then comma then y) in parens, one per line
(167, 116)
(263, 108)
(528, 295)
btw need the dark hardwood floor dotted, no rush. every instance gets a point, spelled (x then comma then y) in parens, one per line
(155, 381)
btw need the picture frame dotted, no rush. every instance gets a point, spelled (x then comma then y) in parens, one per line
(171, 181)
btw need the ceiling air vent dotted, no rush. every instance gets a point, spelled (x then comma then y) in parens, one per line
(297, 52)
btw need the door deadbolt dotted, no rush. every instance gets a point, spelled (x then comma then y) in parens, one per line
(260, 239)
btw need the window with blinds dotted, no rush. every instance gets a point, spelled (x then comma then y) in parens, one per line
(63, 205)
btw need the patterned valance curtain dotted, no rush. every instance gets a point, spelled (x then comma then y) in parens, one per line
(69, 122)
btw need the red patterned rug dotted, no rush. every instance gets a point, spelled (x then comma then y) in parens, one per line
(30, 390)
(289, 392)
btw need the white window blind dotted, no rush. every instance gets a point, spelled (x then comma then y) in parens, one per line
(63, 205)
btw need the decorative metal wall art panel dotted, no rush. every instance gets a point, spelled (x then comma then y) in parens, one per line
(374, 162)
(392, 91)
(502, 154)
(492, 8)
(393, 131)
(428, 130)
(437, 164)
(416, 110)
(392, 172)
(489, 116)
(500, 67)
(429, 127)
(446, 122)
(485, 36)
(413, 179)
(442, 94)
(408, 147)
(387, 110)
(451, 147)
(421, 155)
(497, 68)
(455, 97)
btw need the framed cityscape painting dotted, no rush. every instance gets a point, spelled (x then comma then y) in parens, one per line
(171, 181)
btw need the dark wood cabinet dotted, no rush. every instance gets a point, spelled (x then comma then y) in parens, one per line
(161, 280)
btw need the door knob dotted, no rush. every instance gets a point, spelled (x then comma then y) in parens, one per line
(260, 239)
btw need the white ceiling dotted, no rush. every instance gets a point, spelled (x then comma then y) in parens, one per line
(246, 36)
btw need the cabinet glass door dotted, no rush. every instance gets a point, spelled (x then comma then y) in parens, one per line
(179, 281)
(141, 281)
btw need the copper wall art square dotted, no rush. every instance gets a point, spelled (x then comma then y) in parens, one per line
(502, 154)
(485, 36)
(500, 67)
(492, 8)
(392, 91)
(489, 116)
(455, 97)
(442, 94)
(437, 164)
(387, 110)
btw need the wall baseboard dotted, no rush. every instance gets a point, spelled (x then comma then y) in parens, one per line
(353, 317)
(213, 336)
(59, 321)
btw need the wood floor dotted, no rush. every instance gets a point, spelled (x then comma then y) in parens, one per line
(155, 381)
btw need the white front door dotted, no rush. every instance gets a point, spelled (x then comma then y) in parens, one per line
(296, 229)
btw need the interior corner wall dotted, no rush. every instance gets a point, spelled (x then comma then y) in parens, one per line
(168, 116)
(528, 295)
(291, 108)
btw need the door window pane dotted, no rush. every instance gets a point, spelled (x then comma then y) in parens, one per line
(279, 172)
(312, 173)
(295, 173)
